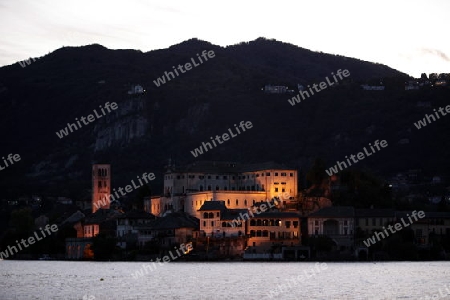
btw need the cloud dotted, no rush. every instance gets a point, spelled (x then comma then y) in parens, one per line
(436, 52)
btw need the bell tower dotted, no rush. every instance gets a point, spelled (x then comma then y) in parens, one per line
(101, 186)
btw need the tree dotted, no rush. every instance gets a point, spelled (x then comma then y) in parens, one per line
(316, 174)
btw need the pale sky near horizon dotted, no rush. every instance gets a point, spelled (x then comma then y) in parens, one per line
(410, 36)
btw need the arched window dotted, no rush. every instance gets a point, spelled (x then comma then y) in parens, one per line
(99, 172)
(265, 233)
(265, 223)
(272, 222)
(245, 202)
(258, 222)
(258, 233)
(205, 215)
(252, 233)
(252, 222)
(210, 215)
(237, 202)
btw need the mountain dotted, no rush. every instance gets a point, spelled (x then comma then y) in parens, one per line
(170, 121)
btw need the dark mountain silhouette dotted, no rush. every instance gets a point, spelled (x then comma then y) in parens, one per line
(171, 120)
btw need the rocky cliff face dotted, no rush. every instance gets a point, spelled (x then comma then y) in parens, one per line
(122, 125)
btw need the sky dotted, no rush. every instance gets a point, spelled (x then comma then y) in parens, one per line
(410, 36)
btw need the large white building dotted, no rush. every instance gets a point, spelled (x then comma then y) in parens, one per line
(240, 186)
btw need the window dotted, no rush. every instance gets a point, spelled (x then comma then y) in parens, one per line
(288, 224)
(209, 176)
(245, 202)
(217, 177)
(237, 202)
(291, 174)
(283, 190)
(228, 202)
(191, 176)
(212, 223)
(204, 223)
(201, 177)
(217, 214)
(367, 221)
(374, 222)
(205, 215)
(225, 188)
(276, 173)
(262, 174)
(210, 215)
(224, 224)
(217, 187)
(254, 202)
(201, 188)
(225, 177)
(99, 184)
(234, 177)
(295, 224)
(209, 187)
(267, 173)
(276, 189)
(283, 174)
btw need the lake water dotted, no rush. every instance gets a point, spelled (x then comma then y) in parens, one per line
(223, 280)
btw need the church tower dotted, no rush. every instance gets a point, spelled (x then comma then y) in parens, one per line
(101, 186)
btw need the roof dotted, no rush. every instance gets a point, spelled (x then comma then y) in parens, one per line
(428, 214)
(213, 205)
(102, 215)
(374, 213)
(335, 212)
(223, 167)
(232, 214)
(177, 220)
(137, 214)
